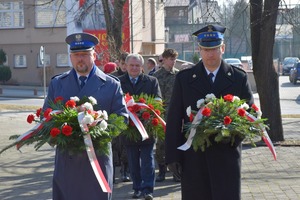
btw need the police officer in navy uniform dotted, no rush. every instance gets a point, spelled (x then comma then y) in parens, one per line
(214, 174)
(73, 176)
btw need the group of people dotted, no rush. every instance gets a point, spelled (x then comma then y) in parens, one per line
(211, 175)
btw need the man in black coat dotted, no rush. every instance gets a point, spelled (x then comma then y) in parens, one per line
(140, 153)
(214, 174)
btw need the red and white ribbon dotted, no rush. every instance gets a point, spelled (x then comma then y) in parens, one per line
(266, 137)
(95, 164)
(92, 155)
(189, 141)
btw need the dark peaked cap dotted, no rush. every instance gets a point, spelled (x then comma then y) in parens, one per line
(81, 42)
(210, 36)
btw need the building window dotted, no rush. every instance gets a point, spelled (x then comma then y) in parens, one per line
(181, 13)
(50, 13)
(20, 61)
(11, 15)
(62, 60)
(46, 60)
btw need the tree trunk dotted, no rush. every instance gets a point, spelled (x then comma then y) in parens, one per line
(114, 22)
(263, 25)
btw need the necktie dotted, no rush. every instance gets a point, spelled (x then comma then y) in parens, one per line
(210, 78)
(82, 81)
(133, 81)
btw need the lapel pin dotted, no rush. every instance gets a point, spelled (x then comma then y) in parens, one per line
(229, 74)
(194, 75)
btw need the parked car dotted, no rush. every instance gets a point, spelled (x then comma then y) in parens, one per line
(295, 73)
(234, 61)
(288, 64)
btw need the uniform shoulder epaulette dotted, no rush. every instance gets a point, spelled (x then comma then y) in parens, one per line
(62, 75)
(238, 68)
(186, 69)
(55, 76)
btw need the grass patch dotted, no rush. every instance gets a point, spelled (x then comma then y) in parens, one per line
(18, 107)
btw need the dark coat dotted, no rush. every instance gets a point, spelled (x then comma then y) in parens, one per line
(73, 175)
(146, 84)
(216, 171)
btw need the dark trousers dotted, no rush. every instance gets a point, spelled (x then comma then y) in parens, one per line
(214, 174)
(142, 167)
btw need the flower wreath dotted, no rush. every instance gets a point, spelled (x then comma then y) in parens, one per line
(224, 120)
(145, 112)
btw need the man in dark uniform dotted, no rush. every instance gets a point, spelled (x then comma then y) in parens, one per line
(73, 176)
(140, 153)
(214, 174)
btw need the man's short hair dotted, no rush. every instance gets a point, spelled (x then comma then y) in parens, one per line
(135, 56)
(170, 53)
(123, 56)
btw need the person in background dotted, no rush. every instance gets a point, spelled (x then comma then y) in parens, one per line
(151, 64)
(140, 153)
(216, 172)
(160, 62)
(166, 77)
(119, 150)
(109, 67)
(73, 176)
(122, 65)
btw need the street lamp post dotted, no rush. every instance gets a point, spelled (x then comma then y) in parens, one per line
(42, 59)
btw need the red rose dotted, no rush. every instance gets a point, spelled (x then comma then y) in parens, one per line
(241, 112)
(191, 117)
(57, 99)
(255, 107)
(70, 104)
(54, 132)
(206, 112)
(134, 108)
(227, 120)
(228, 97)
(47, 112)
(151, 106)
(66, 130)
(38, 112)
(30, 118)
(155, 122)
(131, 123)
(142, 100)
(146, 115)
(157, 111)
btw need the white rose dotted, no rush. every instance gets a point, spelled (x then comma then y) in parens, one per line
(103, 125)
(75, 98)
(200, 102)
(88, 119)
(93, 100)
(88, 106)
(105, 115)
(188, 111)
(245, 106)
(209, 97)
(236, 98)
